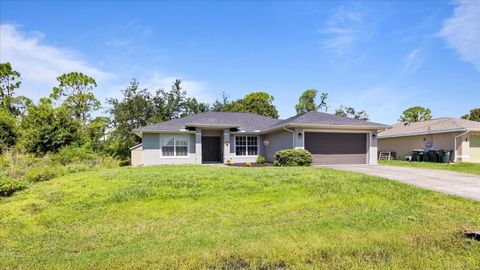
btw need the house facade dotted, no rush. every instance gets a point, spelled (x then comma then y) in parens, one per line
(461, 137)
(218, 137)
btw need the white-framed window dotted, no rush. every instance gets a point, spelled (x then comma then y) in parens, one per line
(174, 145)
(246, 145)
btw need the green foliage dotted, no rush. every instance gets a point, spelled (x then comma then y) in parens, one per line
(75, 154)
(47, 129)
(293, 157)
(9, 82)
(346, 111)
(260, 103)
(474, 115)
(77, 91)
(261, 159)
(416, 114)
(307, 102)
(8, 130)
(96, 134)
(40, 174)
(8, 186)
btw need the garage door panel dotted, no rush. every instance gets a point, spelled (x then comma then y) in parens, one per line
(474, 149)
(337, 148)
(340, 159)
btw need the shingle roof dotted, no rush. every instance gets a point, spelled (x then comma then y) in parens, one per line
(439, 125)
(244, 121)
(250, 122)
(320, 118)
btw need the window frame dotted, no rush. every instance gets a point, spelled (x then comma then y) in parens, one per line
(174, 145)
(246, 145)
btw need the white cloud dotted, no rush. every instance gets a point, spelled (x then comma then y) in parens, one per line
(157, 80)
(345, 27)
(462, 31)
(39, 63)
(413, 60)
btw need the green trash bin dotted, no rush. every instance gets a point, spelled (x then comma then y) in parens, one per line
(416, 155)
(433, 156)
(444, 156)
(425, 157)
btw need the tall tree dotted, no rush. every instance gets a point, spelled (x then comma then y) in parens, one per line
(47, 129)
(416, 114)
(346, 111)
(77, 91)
(193, 106)
(170, 104)
(10, 80)
(221, 104)
(97, 132)
(8, 130)
(474, 115)
(307, 102)
(134, 109)
(260, 103)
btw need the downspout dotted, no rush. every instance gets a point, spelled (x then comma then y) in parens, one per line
(293, 136)
(455, 143)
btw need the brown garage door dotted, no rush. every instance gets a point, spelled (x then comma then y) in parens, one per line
(337, 148)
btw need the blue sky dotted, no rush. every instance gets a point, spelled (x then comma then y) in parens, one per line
(378, 56)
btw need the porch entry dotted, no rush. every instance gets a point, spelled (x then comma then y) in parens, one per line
(211, 150)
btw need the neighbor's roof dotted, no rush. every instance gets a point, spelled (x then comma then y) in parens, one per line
(250, 122)
(439, 125)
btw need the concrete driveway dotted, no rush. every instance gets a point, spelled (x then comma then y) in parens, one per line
(464, 185)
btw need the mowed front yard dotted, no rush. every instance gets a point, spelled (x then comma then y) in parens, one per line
(463, 167)
(205, 217)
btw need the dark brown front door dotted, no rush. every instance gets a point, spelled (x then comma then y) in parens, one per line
(211, 149)
(337, 148)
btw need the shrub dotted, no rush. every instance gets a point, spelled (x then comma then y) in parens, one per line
(8, 186)
(75, 154)
(37, 174)
(293, 157)
(261, 159)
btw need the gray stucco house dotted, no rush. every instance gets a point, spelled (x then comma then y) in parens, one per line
(212, 137)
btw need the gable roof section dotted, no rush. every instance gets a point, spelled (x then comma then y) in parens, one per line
(439, 125)
(250, 122)
(319, 119)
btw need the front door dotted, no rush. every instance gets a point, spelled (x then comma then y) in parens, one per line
(211, 149)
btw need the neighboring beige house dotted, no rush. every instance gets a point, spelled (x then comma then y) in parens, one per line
(460, 136)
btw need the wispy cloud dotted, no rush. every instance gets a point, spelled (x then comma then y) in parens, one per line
(462, 31)
(39, 63)
(156, 80)
(344, 28)
(413, 60)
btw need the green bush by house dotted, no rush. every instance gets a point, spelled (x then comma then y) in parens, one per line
(293, 157)
(261, 159)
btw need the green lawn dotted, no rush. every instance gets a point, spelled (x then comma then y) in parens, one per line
(204, 217)
(472, 168)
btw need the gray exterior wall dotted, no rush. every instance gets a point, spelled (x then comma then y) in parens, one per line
(152, 152)
(277, 141)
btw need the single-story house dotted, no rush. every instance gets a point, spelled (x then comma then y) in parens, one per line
(218, 137)
(461, 137)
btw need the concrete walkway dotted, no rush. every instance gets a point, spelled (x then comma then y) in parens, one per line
(464, 185)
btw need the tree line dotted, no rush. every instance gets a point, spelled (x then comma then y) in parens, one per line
(64, 118)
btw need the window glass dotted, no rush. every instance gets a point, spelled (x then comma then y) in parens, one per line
(246, 145)
(174, 145)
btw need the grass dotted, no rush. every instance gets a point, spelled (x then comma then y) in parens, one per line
(465, 167)
(203, 217)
